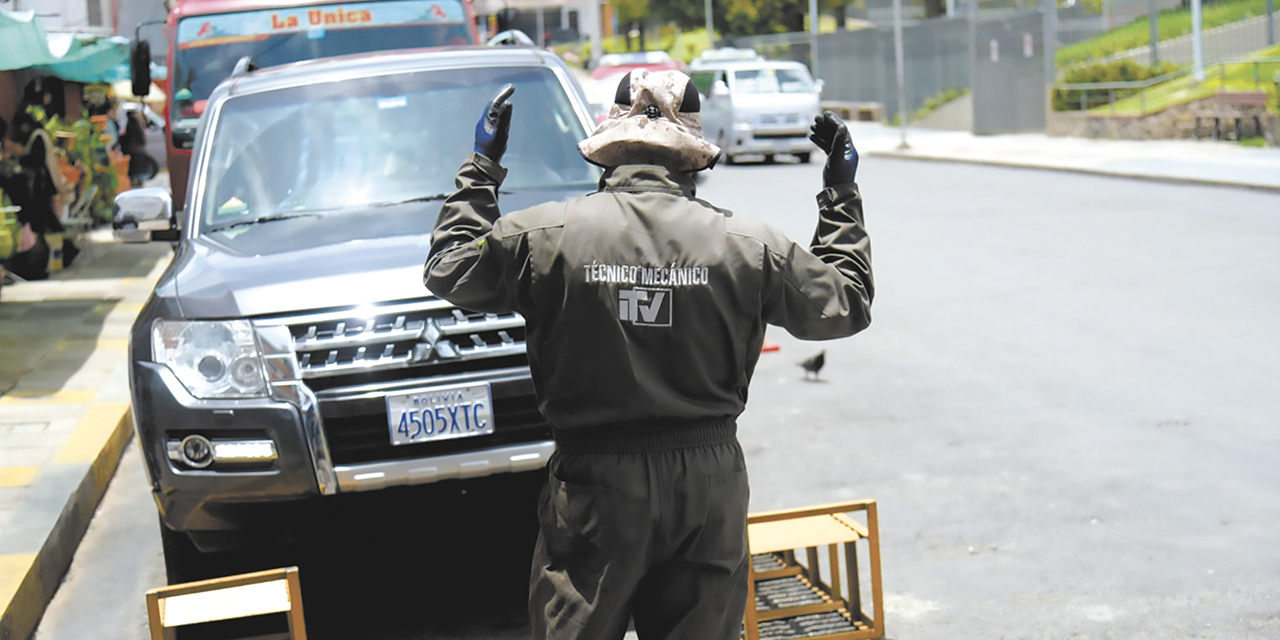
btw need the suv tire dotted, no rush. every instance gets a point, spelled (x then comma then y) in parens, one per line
(183, 562)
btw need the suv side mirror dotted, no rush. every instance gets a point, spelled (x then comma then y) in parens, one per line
(140, 68)
(143, 215)
(719, 89)
(817, 85)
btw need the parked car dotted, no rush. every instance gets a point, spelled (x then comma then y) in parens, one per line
(602, 85)
(757, 106)
(290, 351)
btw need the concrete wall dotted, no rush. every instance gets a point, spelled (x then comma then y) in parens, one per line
(956, 115)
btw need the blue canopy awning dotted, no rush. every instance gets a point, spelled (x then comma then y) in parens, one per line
(76, 57)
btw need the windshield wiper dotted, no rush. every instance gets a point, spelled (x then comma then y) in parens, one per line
(272, 218)
(427, 198)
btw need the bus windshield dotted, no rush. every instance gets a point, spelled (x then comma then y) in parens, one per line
(208, 46)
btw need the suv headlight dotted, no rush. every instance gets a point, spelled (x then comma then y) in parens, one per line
(212, 359)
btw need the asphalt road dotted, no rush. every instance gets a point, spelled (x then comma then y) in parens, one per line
(1066, 408)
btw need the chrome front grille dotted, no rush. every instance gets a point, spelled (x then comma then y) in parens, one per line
(395, 336)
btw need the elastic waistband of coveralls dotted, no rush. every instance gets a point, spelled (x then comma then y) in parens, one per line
(648, 436)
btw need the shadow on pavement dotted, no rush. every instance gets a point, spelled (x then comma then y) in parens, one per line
(101, 259)
(440, 562)
(45, 344)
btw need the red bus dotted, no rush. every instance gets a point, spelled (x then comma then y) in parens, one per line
(207, 37)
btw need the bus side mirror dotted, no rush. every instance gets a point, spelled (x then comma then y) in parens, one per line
(140, 68)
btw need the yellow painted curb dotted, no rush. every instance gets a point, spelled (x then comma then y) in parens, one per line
(29, 580)
(49, 396)
(96, 427)
(14, 570)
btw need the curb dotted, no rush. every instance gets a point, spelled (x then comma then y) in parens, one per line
(1205, 182)
(46, 568)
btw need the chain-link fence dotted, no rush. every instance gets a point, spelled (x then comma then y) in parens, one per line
(858, 66)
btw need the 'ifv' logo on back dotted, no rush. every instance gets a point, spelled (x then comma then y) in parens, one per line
(651, 307)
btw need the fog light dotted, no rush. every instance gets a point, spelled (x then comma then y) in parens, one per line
(197, 451)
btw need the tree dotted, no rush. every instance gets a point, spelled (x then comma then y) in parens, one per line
(631, 13)
(750, 17)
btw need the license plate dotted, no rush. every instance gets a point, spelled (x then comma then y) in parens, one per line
(440, 413)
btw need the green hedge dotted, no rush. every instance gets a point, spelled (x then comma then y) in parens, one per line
(1122, 71)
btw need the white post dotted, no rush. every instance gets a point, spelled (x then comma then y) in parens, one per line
(711, 30)
(594, 31)
(541, 29)
(951, 8)
(813, 38)
(900, 64)
(1197, 42)
(564, 16)
(1050, 53)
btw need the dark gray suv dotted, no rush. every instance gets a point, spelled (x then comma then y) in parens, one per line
(290, 351)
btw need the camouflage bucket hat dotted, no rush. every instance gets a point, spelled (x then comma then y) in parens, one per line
(655, 119)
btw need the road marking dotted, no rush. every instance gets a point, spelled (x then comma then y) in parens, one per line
(96, 427)
(49, 396)
(18, 476)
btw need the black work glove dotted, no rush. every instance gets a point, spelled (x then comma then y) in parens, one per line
(494, 125)
(832, 136)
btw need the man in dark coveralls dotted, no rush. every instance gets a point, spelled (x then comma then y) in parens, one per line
(646, 309)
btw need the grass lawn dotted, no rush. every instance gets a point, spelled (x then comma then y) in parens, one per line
(1172, 23)
(1235, 77)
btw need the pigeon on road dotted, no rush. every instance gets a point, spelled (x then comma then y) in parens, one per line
(814, 364)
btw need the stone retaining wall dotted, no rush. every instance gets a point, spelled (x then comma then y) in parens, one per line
(1171, 124)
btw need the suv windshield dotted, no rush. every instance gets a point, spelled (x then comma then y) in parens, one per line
(339, 146)
(772, 81)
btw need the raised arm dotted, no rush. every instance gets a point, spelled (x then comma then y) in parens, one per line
(826, 292)
(466, 265)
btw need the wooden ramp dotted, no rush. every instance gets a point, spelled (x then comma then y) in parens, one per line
(805, 578)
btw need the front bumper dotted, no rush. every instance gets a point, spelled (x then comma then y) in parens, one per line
(267, 495)
(768, 140)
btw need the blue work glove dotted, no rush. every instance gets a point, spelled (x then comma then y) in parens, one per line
(832, 136)
(495, 125)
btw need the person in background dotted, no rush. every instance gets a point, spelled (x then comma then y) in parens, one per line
(646, 309)
(34, 188)
(133, 143)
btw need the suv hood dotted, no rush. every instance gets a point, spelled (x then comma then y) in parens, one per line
(318, 262)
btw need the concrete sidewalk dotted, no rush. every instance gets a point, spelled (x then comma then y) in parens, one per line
(64, 412)
(1201, 161)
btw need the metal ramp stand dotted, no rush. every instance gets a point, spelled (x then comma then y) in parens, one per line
(242, 596)
(795, 599)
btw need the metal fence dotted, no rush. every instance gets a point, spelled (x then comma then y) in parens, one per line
(858, 66)
(1092, 95)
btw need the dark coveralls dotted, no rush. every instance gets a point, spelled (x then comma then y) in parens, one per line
(645, 310)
